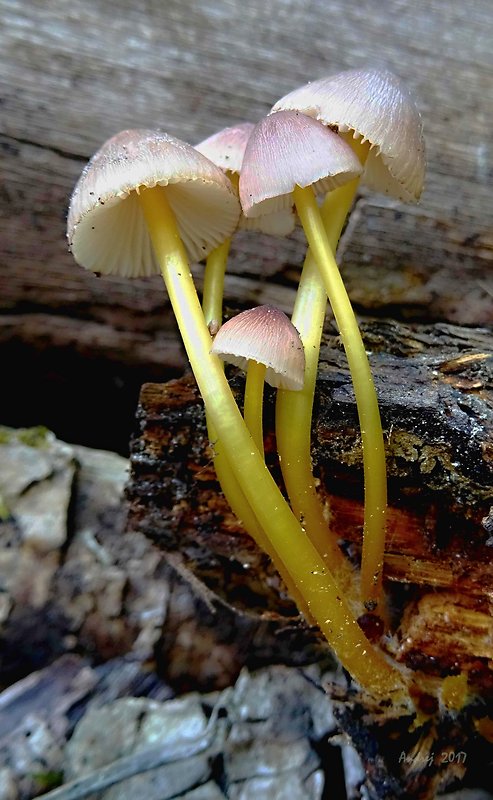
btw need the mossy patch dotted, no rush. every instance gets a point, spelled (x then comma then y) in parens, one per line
(4, 510)
(32, 437)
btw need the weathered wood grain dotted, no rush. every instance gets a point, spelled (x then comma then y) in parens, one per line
(73, 74)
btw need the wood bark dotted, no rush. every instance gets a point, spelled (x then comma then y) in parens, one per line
(435, 385)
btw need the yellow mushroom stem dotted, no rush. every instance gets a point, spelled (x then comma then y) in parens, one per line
(295, 554)
(294, 409)
(212, 306)
(374, 467)
(215, 270)
(212, 301)
(254, 400)
(212, 295)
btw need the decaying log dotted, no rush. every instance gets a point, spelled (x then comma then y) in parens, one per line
(435, 385)
(435, 389)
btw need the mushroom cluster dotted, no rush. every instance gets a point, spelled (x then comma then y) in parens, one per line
(148, 203)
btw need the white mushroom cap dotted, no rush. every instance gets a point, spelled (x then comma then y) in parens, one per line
(106, 228)
(265, 335)
(375, 106)
(289, 149)
(226, 149)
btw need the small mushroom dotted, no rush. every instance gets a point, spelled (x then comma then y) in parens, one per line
(226, 149)
(142, 198)
(373, 106)
(265, 344)
(377, 115)
(287, 151)
(106, 226)
(289, 154)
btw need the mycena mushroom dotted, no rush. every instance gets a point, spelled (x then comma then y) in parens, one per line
(290, 155)
(138, 194)
(372, 106)
(265, 344)
(226, 149)
(378, 117)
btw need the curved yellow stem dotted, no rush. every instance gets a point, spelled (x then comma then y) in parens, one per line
(374, 466)
(254, 398)
(294, 409)
(296, 555)
(212, 306)
(212, 295)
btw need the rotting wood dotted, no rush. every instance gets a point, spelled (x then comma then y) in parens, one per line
(435, 385)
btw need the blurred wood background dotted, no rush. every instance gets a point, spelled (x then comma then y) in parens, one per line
(75, 349)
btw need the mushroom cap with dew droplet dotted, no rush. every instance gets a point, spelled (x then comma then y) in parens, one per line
(289, 149)
(265, 335)
(106, 229)
(226, 149)
(377, 107)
